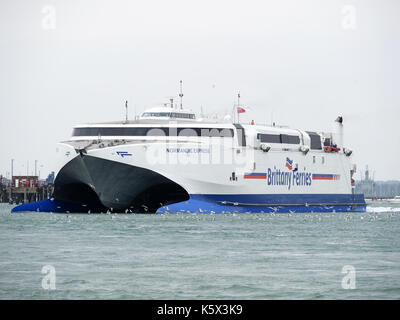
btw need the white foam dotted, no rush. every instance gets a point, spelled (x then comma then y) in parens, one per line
(382, 209)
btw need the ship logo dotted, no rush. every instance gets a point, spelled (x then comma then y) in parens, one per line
(124, 153)
(289, 164)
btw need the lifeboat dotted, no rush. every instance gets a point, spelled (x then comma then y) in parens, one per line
(331, 149)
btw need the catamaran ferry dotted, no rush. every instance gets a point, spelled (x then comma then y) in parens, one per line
(170, 160)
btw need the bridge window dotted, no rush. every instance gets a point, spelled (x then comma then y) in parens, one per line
(156, 114)
(169, 114)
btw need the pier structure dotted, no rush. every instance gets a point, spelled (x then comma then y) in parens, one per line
(24, 189)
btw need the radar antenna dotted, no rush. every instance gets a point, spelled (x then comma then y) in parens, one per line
(171, 101)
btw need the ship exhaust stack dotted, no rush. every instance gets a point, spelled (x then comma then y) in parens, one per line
(339, 131)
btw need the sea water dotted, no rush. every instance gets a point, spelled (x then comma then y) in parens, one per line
(201, 256)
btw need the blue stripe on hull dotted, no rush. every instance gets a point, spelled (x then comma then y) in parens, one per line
(281, 198)
(279, 203)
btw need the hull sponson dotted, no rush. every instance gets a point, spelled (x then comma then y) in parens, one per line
(117, 186)
(74, 184)
(58, 206)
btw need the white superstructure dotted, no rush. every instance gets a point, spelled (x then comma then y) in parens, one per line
(168, 159)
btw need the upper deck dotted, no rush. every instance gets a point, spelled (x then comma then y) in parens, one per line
(171, 124)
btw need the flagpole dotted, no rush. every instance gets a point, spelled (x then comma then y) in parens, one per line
(237, 111)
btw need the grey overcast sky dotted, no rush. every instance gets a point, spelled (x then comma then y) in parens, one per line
(301, 63)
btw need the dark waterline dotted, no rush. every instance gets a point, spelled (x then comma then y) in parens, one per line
(201, 256)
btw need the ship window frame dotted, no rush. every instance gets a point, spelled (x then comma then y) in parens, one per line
(290, 139)
(144, 131)
(278, 138)
(268, 138)
(327, 142)
(175, 115)
(315, 140)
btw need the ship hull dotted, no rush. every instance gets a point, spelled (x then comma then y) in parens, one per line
(100, 183)
(95, 185)
(125, 179)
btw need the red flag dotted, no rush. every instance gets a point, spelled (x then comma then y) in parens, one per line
(240, 110)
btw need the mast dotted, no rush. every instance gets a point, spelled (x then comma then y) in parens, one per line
(238, 104)
(126, 111)
(181, 94)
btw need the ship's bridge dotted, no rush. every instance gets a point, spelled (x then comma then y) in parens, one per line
(165, 113)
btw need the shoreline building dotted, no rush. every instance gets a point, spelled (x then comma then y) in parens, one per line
(377, 189)
(366, 185)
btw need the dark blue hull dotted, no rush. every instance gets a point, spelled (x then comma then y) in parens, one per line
(278, 203)
(273, 203)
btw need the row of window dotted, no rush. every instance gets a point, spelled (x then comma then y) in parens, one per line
(315, 138)
(151, 131)
(278, 138)
(169, 114)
